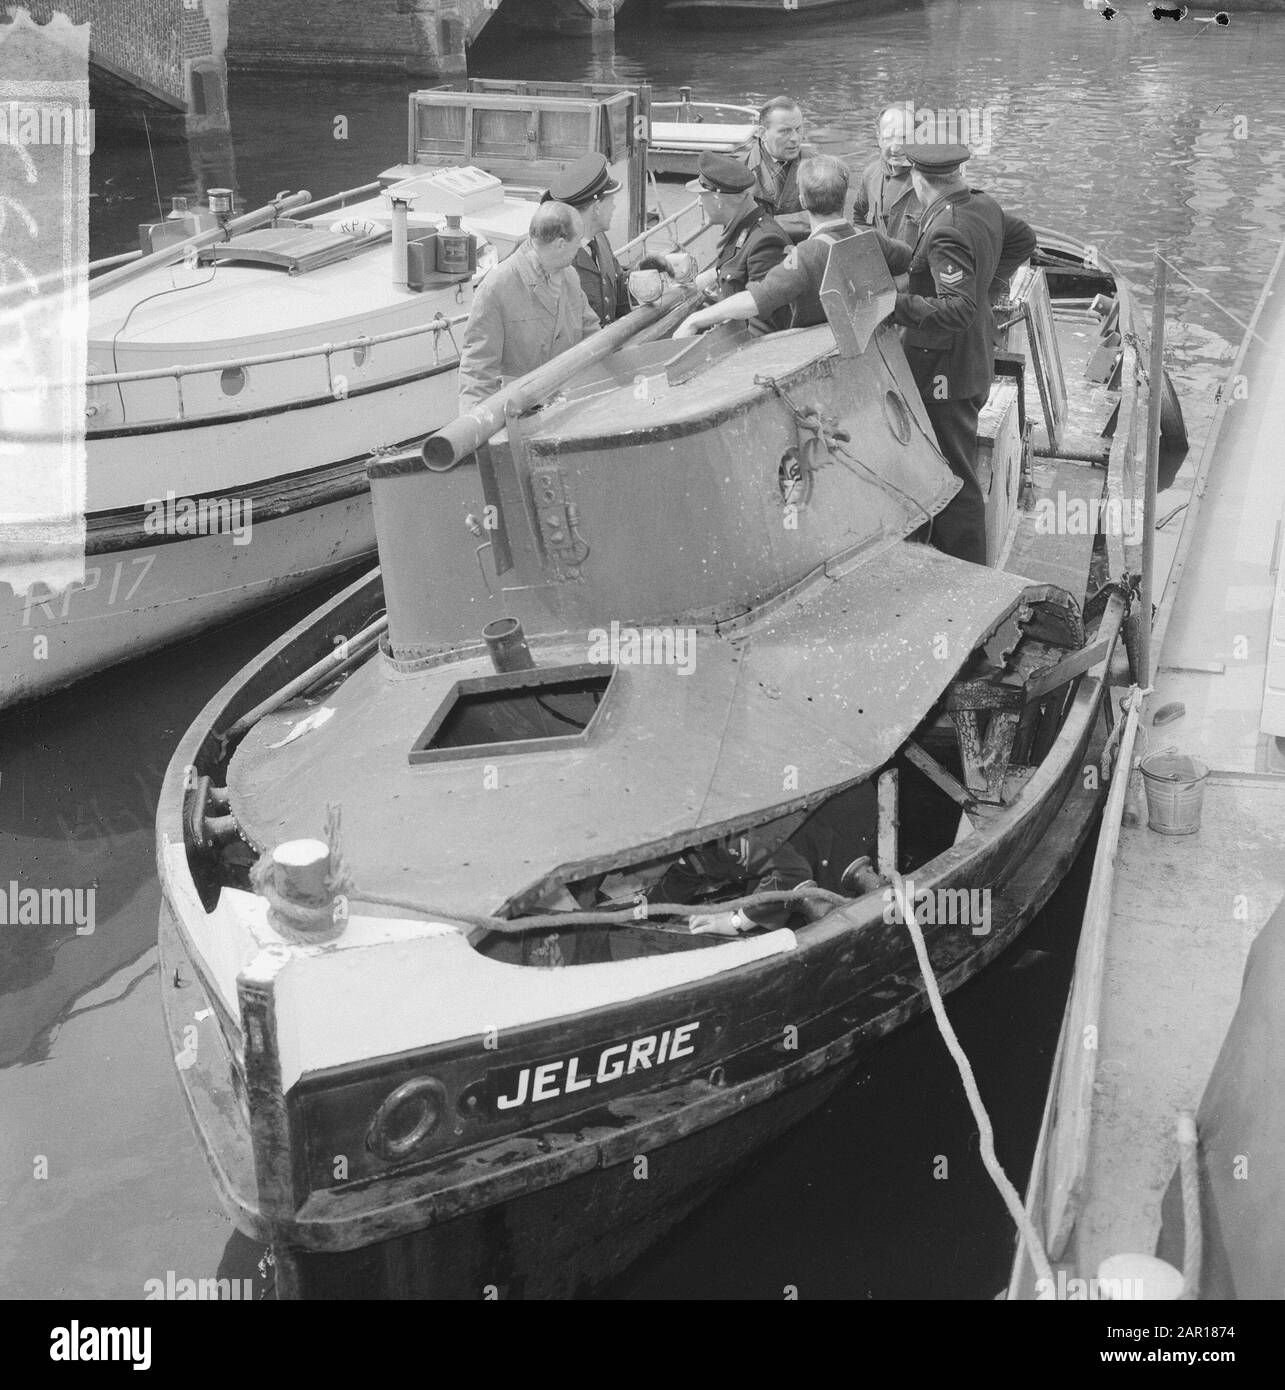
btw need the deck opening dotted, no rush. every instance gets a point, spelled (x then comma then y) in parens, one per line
(514, 712)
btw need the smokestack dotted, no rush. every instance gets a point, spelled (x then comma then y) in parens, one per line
(400, 275)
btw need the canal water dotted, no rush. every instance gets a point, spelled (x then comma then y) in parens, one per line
(1128, 133)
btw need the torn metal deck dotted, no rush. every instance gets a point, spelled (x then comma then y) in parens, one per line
(820, 692)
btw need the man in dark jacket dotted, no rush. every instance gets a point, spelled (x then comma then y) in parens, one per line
(586, 185)
(968, 248)
(795, 285)
(885, 196)
(752, 242)
(774, 157)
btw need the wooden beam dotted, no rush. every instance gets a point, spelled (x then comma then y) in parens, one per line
(1078, 1049)
(888, 820)
(1047, 681)
(938, 775)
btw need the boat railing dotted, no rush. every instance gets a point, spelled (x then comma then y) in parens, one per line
(637, 247)
(674, 227)
(438, 325)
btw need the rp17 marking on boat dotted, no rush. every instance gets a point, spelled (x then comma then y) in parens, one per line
(515, 1086)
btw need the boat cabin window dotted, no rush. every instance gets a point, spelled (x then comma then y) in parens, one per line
(501, 133)
(442, 130)
(565, 134)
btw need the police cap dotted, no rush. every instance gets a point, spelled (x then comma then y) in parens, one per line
(936, 159)
(581, 182)
(720, 173)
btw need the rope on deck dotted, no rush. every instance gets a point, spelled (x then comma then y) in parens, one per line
(986, 1134)
(634, 916)
(1193, 1235)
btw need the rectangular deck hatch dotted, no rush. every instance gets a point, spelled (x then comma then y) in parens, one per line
(517, 712)
(294, 249)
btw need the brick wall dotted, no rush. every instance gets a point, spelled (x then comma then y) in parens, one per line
(147, 41)
(421, 37)
(412, 36)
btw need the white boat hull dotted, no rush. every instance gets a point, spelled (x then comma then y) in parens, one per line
(308, 517)
(138, 599)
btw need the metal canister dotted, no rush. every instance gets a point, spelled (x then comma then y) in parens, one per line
(456, 248)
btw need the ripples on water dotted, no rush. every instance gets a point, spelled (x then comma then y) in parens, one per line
(1123, 133)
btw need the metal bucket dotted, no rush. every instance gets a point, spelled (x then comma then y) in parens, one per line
(1175, 785)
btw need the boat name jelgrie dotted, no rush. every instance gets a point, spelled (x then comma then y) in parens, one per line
(515, 1086)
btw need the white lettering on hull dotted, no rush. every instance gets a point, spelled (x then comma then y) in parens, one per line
(567, 1075)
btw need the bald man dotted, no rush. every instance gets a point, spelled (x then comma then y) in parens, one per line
(528, 309)
(886, 197)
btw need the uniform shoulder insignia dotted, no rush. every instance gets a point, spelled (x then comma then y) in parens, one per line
(951, 274)
(791, 261)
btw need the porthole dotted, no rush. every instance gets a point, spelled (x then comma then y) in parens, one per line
(897, 415)
(793, 479)
(232, 380)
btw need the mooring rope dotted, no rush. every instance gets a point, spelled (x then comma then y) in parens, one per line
(634, 916)
(1012, 1200)
(1193, 1235)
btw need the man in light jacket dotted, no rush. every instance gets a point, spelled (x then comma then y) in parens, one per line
(528, 309)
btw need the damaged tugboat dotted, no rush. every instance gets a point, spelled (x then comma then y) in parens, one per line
(670, 621)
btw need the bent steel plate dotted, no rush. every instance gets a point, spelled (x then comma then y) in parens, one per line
(753, 723)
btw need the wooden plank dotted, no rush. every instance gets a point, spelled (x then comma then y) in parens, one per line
(1074, 1107)
(887, 850)
(1272, 718)
(1060, 556)
(1066, 670)
(937, 774)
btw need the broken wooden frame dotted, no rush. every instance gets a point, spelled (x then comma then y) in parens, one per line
(1031, 294)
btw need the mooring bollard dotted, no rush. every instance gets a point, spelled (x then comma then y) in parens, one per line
(296, 880)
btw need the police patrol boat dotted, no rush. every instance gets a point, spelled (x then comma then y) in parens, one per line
(651, 606)
(240, 371)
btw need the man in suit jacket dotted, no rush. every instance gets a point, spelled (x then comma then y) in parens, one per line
(794, 286)
(968, 247)
(774, 157)
(528, 309)
(886, 197)
(586, 185)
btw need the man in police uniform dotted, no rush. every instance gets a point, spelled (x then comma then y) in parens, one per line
(752, 242)
(886, 197)
(587, 185)
(968, 247)
(789, 295)
(774, 157)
